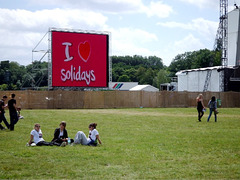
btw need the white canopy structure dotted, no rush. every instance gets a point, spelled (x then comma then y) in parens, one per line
(144, 88)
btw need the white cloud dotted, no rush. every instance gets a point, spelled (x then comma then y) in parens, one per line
(205, 28)
(203, 3)
(21, 30)
(112, 6)
(189, 43)
(213, 4)
(158, 8)
(173, 24)
(23, 20)
(136, 35)
(129, 41)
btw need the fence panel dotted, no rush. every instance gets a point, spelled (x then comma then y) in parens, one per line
(61, 99)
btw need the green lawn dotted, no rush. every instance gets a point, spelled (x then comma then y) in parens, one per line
(137, 144)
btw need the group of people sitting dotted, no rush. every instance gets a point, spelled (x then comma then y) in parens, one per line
(61, 136)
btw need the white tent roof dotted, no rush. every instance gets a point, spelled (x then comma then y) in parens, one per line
(144, 88)
(204, 69)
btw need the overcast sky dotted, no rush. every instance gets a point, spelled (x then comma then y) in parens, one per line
(138, 27)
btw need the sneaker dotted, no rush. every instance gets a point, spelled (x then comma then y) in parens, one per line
(33, 144)
(63, 144)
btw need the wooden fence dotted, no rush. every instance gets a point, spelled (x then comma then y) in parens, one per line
(60, 99)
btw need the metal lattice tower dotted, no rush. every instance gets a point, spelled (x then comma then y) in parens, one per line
(224, 30)
(222, 41)
(224, 36)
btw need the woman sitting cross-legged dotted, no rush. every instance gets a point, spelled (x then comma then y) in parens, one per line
(61, 135)
(80, 137)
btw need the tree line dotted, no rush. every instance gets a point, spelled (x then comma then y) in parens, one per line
(144, 70)
(14, 76)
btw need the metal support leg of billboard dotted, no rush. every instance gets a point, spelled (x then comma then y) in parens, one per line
(35, 68)
(49, 60)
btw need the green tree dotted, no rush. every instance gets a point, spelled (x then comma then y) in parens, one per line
(131, 73)
(124, 78)
(140, 73)
(161, 78)
(180, 62)
(202, 58)
(16, 72)
(117, 72)
(155, 62)
(37, 74)
(147, 77)
(193, 60)
(3, 87)
(11, 73)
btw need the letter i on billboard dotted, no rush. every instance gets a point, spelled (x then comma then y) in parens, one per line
(79, 59)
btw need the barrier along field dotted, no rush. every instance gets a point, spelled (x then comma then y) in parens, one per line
(61, 99)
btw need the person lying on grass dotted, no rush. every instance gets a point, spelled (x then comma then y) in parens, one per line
(80, 137)
(61, 135)
(36, 137)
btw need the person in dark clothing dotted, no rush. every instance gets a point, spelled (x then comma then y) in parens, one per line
(12, 112)
(212, 104)
(200, 106)
(60, 134)
(2, 112)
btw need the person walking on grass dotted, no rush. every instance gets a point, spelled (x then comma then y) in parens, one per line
(12, 112)
(200, 107)
(36, 138)
(80, 137)
(212, 104)
(2, 113)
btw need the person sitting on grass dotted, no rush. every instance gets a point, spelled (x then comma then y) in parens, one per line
(19, 113)
(61, 135)
(37, 137)
(80, 137)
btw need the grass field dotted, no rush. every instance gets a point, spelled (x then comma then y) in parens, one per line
(137, 144)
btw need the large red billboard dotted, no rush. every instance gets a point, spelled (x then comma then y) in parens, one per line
(79, 59)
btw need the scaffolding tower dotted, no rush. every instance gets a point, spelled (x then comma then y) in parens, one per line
(222, 41)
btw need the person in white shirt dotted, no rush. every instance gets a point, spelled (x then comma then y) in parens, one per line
(36, 137)
(93, 138)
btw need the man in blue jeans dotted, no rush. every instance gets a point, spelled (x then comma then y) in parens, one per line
(2, 112)
(12, 112)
